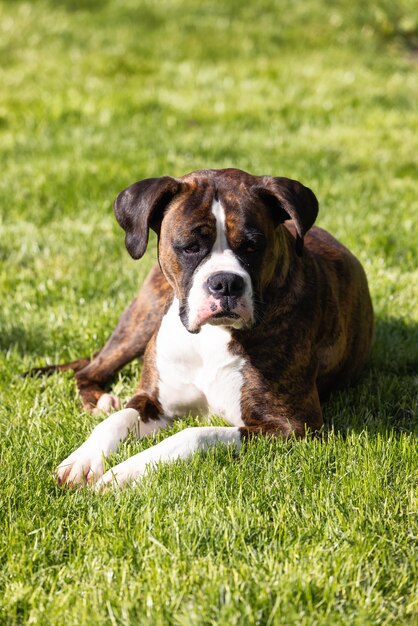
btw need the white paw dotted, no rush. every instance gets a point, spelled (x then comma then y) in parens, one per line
(119, 476)
(106, 403)
(84, 465)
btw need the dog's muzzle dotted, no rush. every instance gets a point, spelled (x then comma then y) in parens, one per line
(226, 288)
(219, 296)
(223, 300)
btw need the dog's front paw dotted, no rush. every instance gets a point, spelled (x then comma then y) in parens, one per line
(84, 465)
(119, 476)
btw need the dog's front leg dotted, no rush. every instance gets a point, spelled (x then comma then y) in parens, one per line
(85, 465)
(179, 446)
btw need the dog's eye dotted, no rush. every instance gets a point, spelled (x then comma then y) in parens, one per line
(191, 248)
(251, 246)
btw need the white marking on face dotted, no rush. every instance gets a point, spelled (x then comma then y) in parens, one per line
(197, 373)
(221, 242)
(201, 305)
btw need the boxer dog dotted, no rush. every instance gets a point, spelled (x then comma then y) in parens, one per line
(251, 314)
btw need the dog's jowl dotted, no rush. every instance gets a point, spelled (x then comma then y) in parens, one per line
(251, 314)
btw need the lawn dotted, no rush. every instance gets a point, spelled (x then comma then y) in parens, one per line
(95, 95)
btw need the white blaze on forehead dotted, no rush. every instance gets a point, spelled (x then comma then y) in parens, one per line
(221, 242)
(220, 259)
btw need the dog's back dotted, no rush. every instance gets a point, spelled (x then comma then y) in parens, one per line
(345, 332)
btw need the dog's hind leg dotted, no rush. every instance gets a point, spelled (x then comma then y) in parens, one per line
(128, 341)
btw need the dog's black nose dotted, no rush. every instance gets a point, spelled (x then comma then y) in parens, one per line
(225, 284)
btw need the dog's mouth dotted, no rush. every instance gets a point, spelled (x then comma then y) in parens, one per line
(225, 318)
(235, 314)
(225, 315)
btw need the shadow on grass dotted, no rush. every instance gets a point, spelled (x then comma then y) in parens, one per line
(385, 398)
(37, 343)
(73, 5)
(34, 340)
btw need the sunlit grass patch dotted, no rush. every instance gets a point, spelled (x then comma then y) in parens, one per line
(96, 95)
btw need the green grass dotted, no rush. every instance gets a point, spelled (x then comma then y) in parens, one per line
(98, 94)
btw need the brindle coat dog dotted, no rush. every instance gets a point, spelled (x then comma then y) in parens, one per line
(248, 316)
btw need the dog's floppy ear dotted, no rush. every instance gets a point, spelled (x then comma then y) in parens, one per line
(140, 207)
(290, 200)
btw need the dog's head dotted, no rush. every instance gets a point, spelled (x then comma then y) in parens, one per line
(220, 237)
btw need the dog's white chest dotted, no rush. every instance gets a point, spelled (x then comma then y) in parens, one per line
(197, 373)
